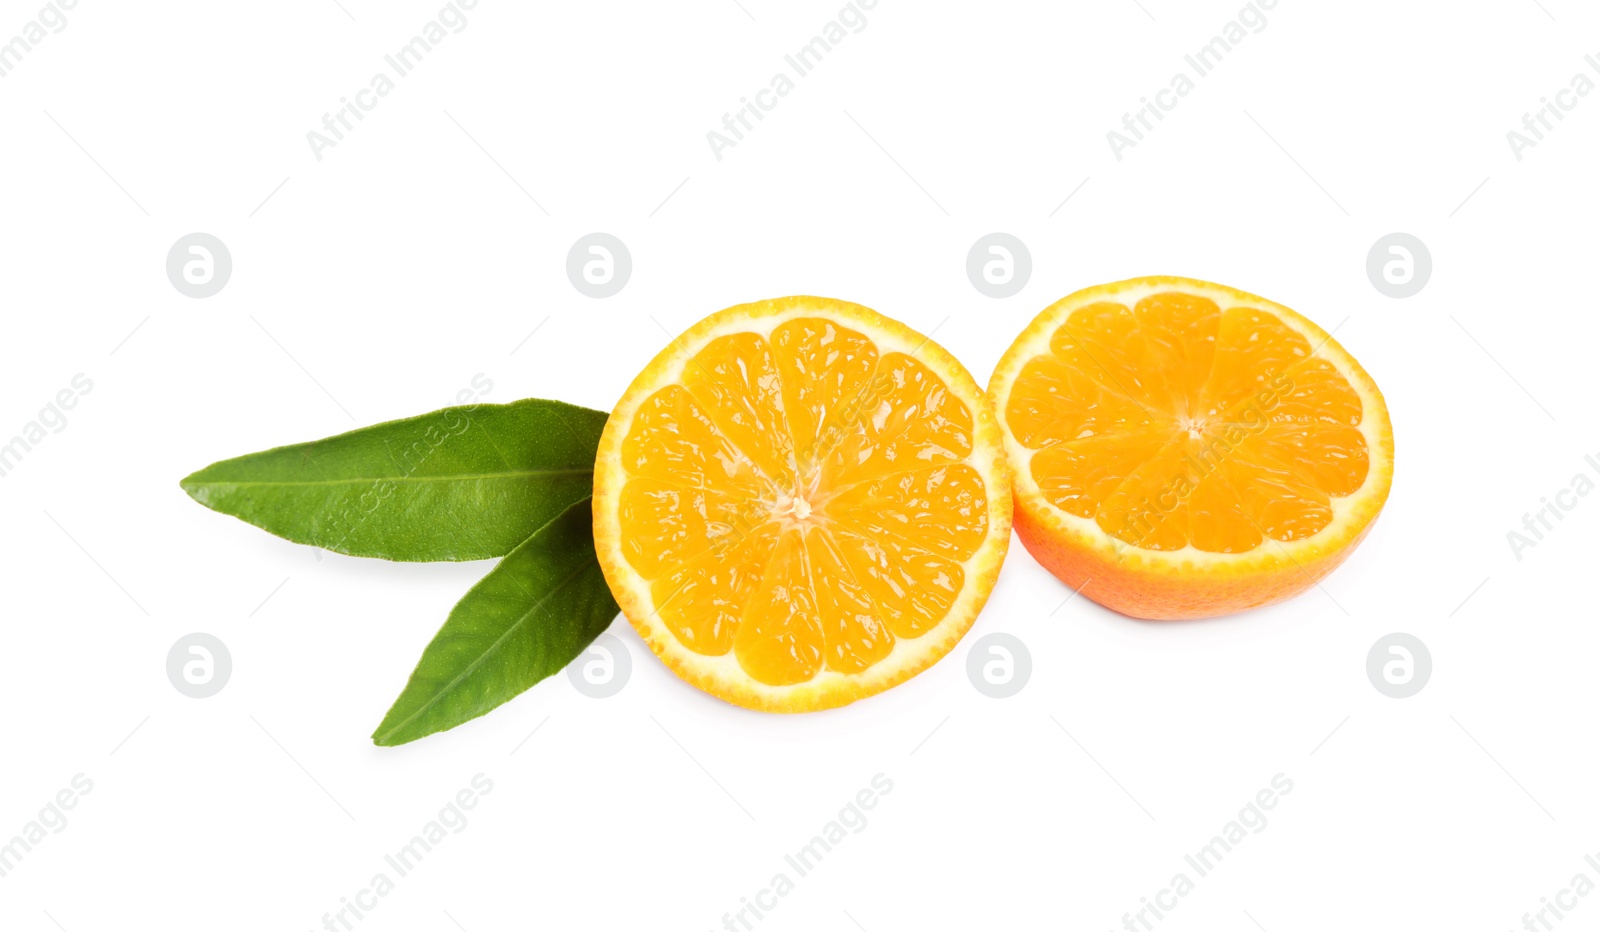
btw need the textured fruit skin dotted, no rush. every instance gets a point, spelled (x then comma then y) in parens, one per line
(1161, 586)
(1140, 592)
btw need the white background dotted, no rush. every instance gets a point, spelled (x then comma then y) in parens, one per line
(376, 282)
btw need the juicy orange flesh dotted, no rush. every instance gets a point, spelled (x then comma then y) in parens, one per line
(801, 500)
(1178, 423)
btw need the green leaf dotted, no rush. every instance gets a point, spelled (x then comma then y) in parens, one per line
(529, 617)
(464, 483)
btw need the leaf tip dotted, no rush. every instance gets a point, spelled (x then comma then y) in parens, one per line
(194, 486)
(386, 738)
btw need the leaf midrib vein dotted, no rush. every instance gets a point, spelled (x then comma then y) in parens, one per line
(460, 477)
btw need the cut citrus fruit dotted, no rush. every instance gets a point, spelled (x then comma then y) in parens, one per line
(1183, 449)
(801, 502)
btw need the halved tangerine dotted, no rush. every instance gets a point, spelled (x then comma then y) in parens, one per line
(1183, 449)
(801, 502)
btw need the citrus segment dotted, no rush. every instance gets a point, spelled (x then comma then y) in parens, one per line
(1185, 449)
(801, 502)
(823, 369)
(904, 417)
(734, 384)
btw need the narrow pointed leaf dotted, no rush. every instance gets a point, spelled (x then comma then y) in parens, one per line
(528, 618)
(462, 483)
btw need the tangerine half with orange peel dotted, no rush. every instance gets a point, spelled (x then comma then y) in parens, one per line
(1183, 449)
